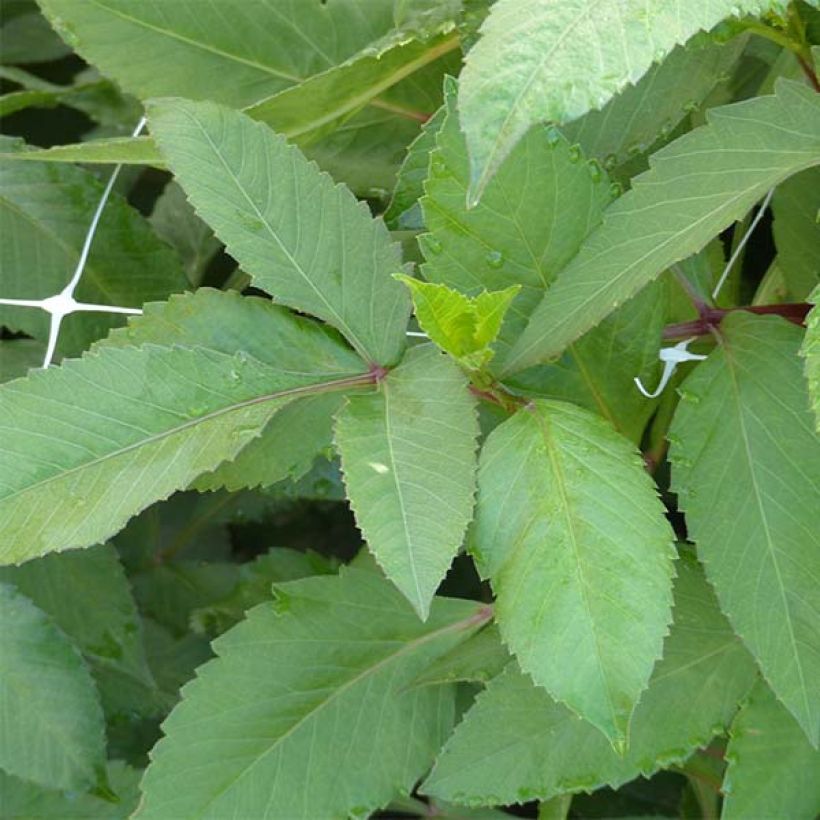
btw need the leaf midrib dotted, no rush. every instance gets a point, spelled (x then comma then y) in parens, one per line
(319, 387)
(406, 648)
(758, 498)
(561, 485)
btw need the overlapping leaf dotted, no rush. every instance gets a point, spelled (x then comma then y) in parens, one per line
(533, 218)
(532, 63)
(697, 186)
(540, 749)
(772, 768)
(225, 322)
(408, 456)
(796, 208)
(307, 711)
(88, 597)
(23, 801)
(53, 732)
(571, 534)
(45, 213)
(301, 238)
(127, 426)
(746, 467)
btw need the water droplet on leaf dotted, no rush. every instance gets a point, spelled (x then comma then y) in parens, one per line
(495, 259)
(595, 170)
(575, 153)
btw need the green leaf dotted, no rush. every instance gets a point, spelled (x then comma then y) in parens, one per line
(107, 151)
(53, 732)
(671, 90)
(410, 183)
(532, 63)
(572, 535)
(531, 222)
(28, 38)
(232, 51)
(811, 353)
(18, 356)
(772, 768)
(307, 711)
(503, 241)
(463, 327)
(174, 220)
(317, 106)
(88, 597)
(477, 660)
(300, 237)
(697, 186)
(514, 745)
(408, 457)
(25, 801)
(796, 209)
(45, 213)
(746, 467)
(128, 426)
(226, 322)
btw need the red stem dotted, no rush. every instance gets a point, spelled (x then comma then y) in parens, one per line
(711, 317)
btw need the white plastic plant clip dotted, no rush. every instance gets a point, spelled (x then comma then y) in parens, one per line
(63, 303)
(671, 358)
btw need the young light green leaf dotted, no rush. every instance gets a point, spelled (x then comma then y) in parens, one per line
(226, 322)
(671, 90)
(408, 457)
(697, 186)
(571, 534)
(25, 801)
(796, 208)
(772, 768)
(532, 63)
(326, 668)
(44, 217)
(463, 327)
(53, 731)
(88, 597)
(503, 241)
(513, 744)
(746, 467)
(810, 351)
(301, 238)
(126, 427)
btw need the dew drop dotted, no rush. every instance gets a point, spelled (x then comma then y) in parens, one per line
(235, 376)
(687, 395)
(595, 170)
(575, 153)
(615, 190)
(439, 167)
(553, 136)
(610, 161)
(635, 149)
(495, 259)
(691, 106)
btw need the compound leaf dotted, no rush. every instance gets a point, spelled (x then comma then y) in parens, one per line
(127, 426)
(811, 352)
(746, 467)
(772, 768)
(512, 745)
(53, 731)
(539, 60)
(307, 711)
(571, 534)
(302, 238)
(697, 186)
(408, 457)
